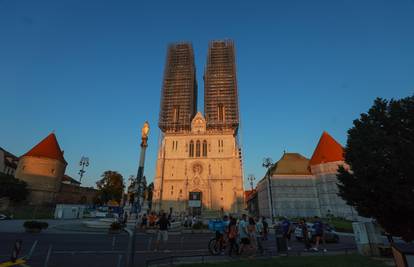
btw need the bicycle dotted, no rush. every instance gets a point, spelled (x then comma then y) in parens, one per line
(217, 244)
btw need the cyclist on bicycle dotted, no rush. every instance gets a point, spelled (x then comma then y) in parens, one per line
(223, 232)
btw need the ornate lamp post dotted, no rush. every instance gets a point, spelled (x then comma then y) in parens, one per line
(251, 179)
(268, 164)
(84, 162)
(139, 187)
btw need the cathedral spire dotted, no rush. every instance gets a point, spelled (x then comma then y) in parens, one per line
(221, 105)
(179, 89)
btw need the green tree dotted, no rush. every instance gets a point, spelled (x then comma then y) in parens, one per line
(380, 153)
(13, 188)
(111, 186)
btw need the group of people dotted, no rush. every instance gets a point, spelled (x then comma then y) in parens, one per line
(244, 235)
(161, 222)
(241, 236)
(189, 221)
(149, 221)
(318, 231)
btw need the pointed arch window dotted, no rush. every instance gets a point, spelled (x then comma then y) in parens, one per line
(176, 114)
(204, 148)
(198, 148)
(191, 150)
(220, 112)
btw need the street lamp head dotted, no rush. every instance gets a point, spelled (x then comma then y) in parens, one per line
(145, 130)
(267, 163)
(251, 177)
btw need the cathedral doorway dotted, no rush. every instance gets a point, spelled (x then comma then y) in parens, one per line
(194, 203)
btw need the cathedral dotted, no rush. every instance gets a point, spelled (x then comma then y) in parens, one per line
(199, 167)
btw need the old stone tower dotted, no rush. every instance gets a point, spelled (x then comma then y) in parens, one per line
(199, 165)
(42, 168)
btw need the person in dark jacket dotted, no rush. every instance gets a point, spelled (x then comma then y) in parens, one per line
(163, 224)
(319, 234)
(305, 234)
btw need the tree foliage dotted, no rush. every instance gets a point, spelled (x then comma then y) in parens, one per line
(12, 188)
(111, 186)
(380, 153)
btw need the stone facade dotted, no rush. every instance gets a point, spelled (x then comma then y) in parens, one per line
(72, 194)
(199, 161)
(304, 195)
(326, 183)
(43, 177)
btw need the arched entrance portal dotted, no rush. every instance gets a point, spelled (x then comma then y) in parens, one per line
(195, 203)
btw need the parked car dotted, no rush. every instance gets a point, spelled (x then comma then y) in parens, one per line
(330, 235)
(4, 217)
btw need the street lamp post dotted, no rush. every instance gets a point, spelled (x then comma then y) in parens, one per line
(139, 188)
(84, 162)
(268, 164)
(251, 179)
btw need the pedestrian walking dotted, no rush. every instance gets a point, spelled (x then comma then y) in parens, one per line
(319, 227)
(265, 228)
(287, 231)
(151, 220)
(259, 236)
(163, 224)
(125, 218)
(232, 235)
(144, 221)
(305, 234)
(251, 229)
(243, 234)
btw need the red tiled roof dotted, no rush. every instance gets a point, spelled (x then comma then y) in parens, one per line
(247, 193)
(327, 150)
(47, 148)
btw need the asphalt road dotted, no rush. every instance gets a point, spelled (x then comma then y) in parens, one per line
(84, 249)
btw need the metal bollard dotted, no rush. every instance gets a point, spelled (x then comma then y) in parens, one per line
(119, 260)
(129, 248)
(113, 242)
(149, 243)
(49, 252)
(28, 256)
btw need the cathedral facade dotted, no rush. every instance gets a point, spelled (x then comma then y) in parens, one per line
(199, 164)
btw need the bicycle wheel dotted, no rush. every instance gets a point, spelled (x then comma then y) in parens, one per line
(214, 247)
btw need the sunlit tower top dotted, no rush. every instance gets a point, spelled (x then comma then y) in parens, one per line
(179, 89)
(221, 107)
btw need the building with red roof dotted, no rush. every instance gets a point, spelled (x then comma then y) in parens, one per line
(327, 150)
(42, 168)
(47, 148)
(304, 187)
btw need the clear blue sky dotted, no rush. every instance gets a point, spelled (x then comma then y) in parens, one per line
(92, 71)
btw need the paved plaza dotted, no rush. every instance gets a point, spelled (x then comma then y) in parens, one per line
(72, 247)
